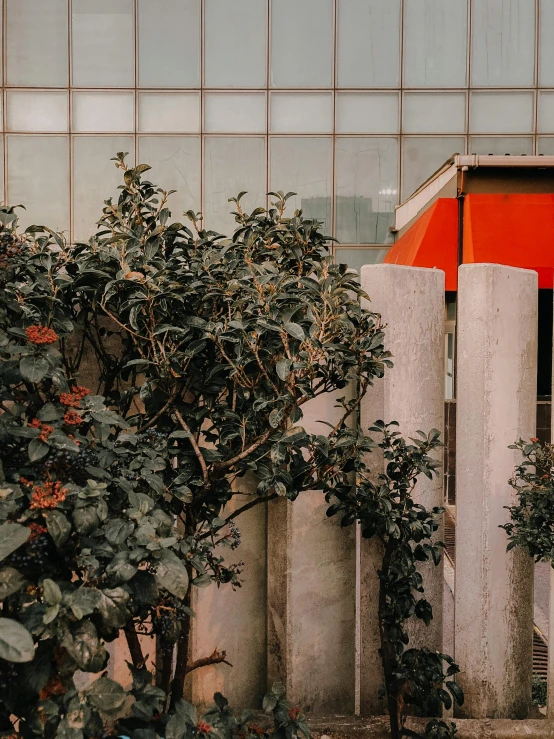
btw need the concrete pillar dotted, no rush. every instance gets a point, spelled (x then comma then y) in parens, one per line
(550, 676)
(411, 303)
(234, 621)
(496, 405)
(312, 594)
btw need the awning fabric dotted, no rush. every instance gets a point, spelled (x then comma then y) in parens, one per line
(517, 230)
(511, 229)
(432, 241)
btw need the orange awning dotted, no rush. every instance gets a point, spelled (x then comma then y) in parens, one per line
(517, 230)
(512, 229)
(432, 241)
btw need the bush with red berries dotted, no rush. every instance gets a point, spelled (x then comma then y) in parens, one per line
(200, 353)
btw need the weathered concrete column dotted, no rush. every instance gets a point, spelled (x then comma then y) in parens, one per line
(234, 621)
(312, 594)
(411, 302)
(496, 405)
(550, 676)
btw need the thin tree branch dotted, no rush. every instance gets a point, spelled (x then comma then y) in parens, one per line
(232, 516)
(230, 462)
(160, 413)
(215, 658)
(194, 445)
(133, 643)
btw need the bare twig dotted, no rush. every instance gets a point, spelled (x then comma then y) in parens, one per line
(230, 462)
(160, 413)
(195, 446)
(216, 658)
(242, 509)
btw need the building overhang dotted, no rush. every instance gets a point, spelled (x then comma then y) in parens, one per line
(480, 209)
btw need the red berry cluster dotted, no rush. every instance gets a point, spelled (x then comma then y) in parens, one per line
(203, 727)
(45, 430)
(294, 714)
(41, 335)
(54, 686)
(72, 418)
(37, 530)
(48, 495)
(73, 398)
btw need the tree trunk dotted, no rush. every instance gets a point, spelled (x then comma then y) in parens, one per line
(388, 653)
(183, 645)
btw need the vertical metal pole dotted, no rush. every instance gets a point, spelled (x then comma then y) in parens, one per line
(550, 676)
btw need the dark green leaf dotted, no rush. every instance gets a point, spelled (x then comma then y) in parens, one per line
(58, 527)
(10, 582)
(33, 367)
(106, 695)
(12, 536)
(295, 330)
(37, 450)
(16, 644)
(172, 575)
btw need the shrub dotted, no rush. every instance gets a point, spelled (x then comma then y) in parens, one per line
(415, 679)
(200, 353)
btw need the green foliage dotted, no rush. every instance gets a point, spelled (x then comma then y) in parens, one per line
(531, 524)
(435, 729)
(199, 354)
(539, 691)
(532, 517)
(386, 511)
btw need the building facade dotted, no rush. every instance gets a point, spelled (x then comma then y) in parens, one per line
(349, 103)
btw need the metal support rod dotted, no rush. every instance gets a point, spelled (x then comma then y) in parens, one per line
(550, 676)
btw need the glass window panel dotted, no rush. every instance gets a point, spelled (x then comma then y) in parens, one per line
(38, 177)
(2, 45)
(169, 43)
(503, 42)
(356, 258)
(175, 162)
(37, 43)
(368, 43)
(2, 171)
(103, 111)
(95, 178)
(546, 47)
(303, 166)
(302, 43)
(103, 44)
(501, 112)
(435, 43)
(443, 112)
(170, 112)
(500, 145)
(301, 112)
(366, 189)
(234, 112)
(423, 156)
(546, 145)
(36, 111)
(546, 112)
(230, 166)
(236, 59)
(367, 112)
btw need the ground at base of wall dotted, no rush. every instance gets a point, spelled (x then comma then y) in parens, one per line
(339, 727)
